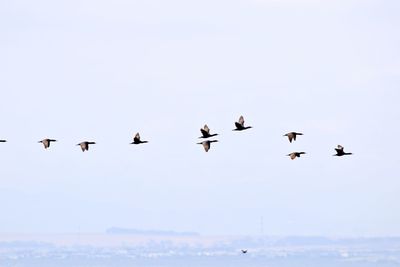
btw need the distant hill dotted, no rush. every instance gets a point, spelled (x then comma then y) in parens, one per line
(128, 231)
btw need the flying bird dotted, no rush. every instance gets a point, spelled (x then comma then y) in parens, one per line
(340, 151)
(293, 155)
(46, 142)
(136, 140)
(244, 251)
(85, 145)
(205, 131)
(240, 125)
(207, 144)
(292, 136)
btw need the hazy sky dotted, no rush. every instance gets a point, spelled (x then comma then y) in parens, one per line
(103, 70)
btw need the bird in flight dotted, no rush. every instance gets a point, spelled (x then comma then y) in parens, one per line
(293, 155)
(46, 142)
(292, 136)
(85, 145)
(240, 125)
(340, 151)
(205, 131)
(136, 140)
(207, 144)
(244, 251)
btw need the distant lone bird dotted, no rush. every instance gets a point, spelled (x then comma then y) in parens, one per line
(293, 155)
(340, 151)
(3, 141)
(205, 131)
(207, 144)
(46, 142)
(244, 251)
(136, 140)
(292, 136)
(85, 145)
(240, 125)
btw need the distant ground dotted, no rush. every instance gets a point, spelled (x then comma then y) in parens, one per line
(166, 248)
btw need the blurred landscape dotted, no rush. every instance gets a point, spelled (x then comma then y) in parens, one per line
(130, 247)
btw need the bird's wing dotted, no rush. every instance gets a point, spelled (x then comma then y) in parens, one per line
(204, 132)
(238, 125)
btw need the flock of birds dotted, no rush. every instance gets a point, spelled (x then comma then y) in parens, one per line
(205, 134)
(205, 131)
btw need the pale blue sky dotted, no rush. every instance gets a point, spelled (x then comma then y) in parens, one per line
(103, 70)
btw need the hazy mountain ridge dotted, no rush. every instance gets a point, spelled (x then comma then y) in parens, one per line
(130, 231)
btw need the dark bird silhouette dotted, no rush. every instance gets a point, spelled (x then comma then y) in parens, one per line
(340, 151)
(240, 125)
(293, 155)
(244, 251)
(136, 140)
(3, 141)
(207, 144)
(205, 131)
(292, 136)
(46, 142)
(85, 145)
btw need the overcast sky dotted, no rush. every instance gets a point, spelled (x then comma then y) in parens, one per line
(104, 70)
